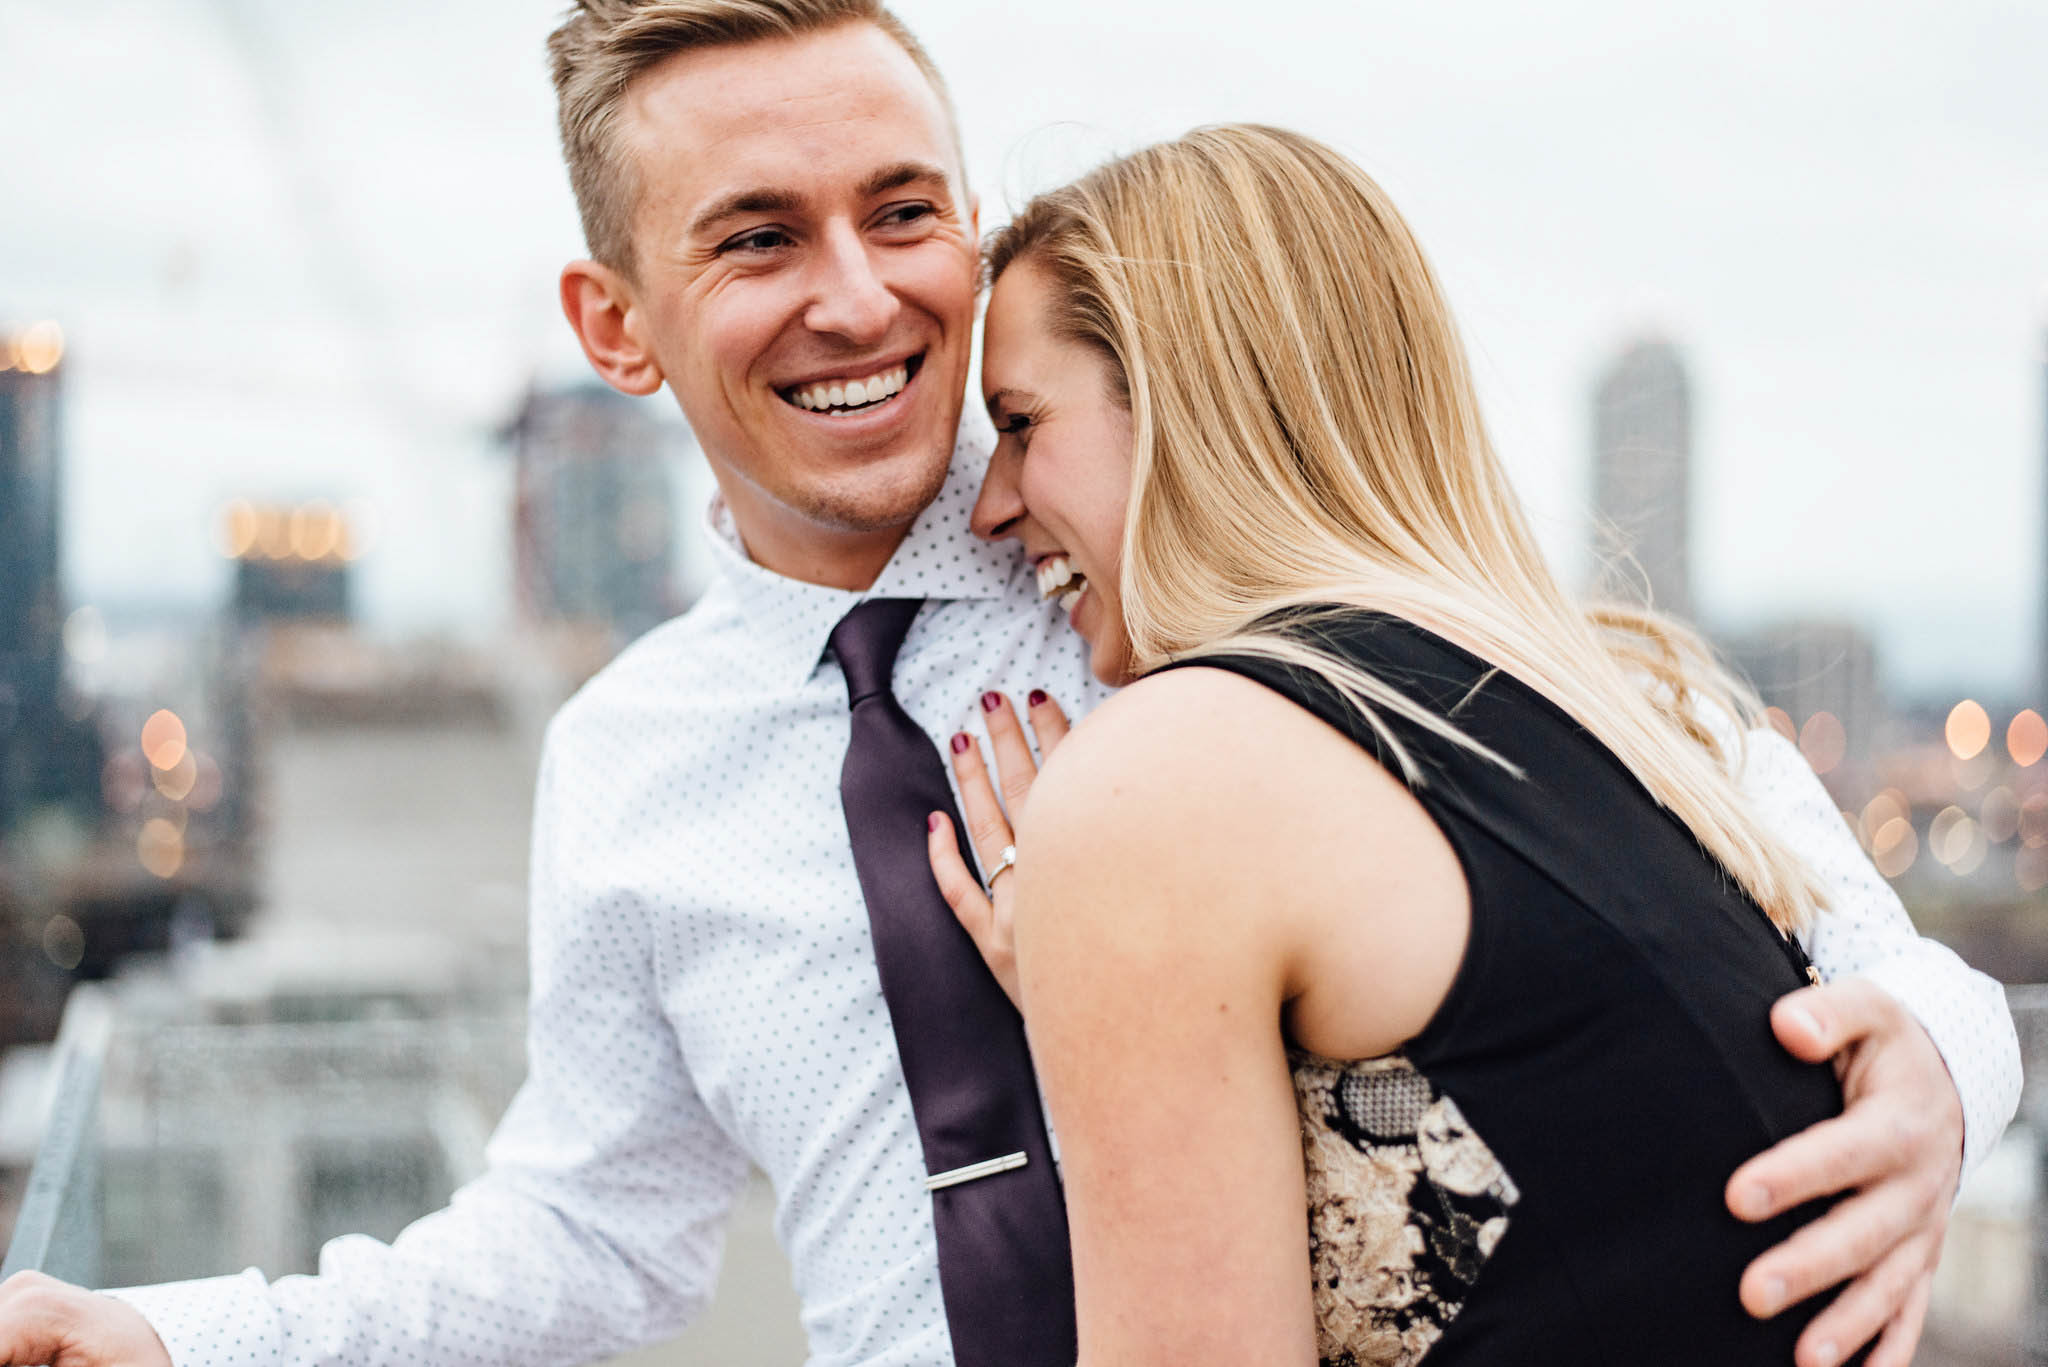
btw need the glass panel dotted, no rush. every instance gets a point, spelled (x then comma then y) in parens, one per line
(58, 1229)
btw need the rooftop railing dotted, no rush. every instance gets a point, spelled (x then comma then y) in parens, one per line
(2030, 1016)
(58, 1229)
(178, 1150)
(460, 1073)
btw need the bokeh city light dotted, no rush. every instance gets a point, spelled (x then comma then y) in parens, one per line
(163, 740)
(316, 533)
(64, 942)
(38, 350)
(161, 847)
(177, 782)
(2026, 739)
(1894, 847)
(1823, 741)
(85, 636)
(2000, 815)
(1968, 730)
(1887, 806)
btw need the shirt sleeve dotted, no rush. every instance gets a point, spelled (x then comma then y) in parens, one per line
(598, 1223)
(1866, 931)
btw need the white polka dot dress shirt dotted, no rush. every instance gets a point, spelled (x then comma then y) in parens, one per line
(705, 996)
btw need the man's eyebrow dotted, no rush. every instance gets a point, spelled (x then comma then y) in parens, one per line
(901, 174)
(774, 201)
(746, 202)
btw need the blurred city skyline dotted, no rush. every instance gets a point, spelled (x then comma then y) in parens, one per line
(306, 252)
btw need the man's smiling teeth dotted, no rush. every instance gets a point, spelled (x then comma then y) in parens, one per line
(823, 398)
(1056, 578)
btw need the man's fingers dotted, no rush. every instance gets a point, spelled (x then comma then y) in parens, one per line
(1048, 722)
(1860, 1233)
(1864, 1308)
(1902, 1336)
(1896, 1147)
(1014, 764)
(43, 1320)
(1861, 1146)
(25, 1322)
(987, 828)
(1815, 1023)
(31, 1317)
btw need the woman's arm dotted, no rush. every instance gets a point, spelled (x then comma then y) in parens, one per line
(1178, 867)
(1153, 1003)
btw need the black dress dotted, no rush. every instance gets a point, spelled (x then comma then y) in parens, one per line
(1538, 1176)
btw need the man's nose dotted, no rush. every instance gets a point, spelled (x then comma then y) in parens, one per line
(850, 299)
(999, 510)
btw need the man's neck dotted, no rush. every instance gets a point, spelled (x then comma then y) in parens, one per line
(812, 554)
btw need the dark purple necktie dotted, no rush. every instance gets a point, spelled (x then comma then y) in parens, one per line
(1004, 1265)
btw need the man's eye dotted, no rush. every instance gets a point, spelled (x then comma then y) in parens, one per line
(904, 214)
(756, 240)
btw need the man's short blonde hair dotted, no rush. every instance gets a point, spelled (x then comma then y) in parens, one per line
(604, 45)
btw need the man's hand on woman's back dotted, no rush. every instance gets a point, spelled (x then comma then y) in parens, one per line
(1894, 1157)
(45, 1321)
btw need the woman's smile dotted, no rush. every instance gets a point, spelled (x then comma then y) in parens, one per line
(1058, 579)
(1060, 479)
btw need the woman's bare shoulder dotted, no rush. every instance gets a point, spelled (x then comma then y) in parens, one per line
(1175, 746)
(1207, 781)
(1151, 718)
(1203, 816)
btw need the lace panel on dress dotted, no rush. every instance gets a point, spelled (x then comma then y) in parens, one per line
(1405, 1203)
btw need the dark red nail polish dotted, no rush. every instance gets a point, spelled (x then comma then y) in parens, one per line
(991, 701)
(1038, 698)
(931, 823)
(961, 742)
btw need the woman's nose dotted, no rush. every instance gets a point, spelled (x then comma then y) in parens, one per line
(999, 509)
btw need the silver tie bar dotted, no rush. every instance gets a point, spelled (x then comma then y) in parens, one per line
(1007, 1163)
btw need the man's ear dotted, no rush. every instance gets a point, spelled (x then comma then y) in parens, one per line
(599, 304)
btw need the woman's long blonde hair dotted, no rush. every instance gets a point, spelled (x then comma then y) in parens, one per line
(1305, 432)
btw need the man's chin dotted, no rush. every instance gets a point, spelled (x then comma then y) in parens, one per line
(880, 503)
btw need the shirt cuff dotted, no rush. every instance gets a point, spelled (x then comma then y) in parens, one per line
(1965, 1013)
(216, 1322)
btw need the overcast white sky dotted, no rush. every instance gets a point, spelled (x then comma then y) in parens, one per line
(309, 250)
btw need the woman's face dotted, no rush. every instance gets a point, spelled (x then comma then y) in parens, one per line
(1061, 475)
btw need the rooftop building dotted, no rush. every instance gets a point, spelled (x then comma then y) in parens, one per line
(594, 517)
(31, 593)
(1642, 459)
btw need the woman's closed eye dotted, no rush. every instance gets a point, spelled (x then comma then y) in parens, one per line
(1016, 425)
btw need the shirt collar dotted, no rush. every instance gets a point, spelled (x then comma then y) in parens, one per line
(941, 558)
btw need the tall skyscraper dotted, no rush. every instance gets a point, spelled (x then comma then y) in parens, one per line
(594, 530)
(31, 594)
(1642, 459)
(2041, 675)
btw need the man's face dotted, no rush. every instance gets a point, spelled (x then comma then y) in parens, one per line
(806, 279)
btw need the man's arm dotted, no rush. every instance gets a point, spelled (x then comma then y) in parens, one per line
(597, 1226)
(1930, 1071)
(1868, 934)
